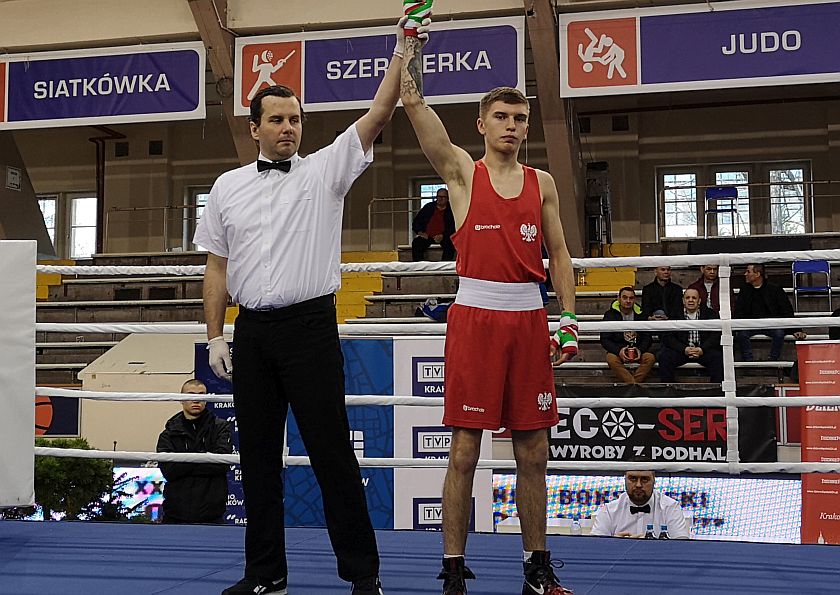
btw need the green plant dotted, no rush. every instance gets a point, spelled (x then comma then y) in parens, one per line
(70, 485)
(111, 508)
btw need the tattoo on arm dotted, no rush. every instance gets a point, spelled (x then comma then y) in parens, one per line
(413, 84)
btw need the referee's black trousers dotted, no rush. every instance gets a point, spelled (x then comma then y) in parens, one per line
(291, 357)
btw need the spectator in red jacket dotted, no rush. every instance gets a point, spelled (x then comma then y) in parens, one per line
(708, 286)
(434, 224)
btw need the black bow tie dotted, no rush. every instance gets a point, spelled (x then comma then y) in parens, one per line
(637, 509)
(283, 166)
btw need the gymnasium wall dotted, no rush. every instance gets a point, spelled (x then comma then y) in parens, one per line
(733, 126)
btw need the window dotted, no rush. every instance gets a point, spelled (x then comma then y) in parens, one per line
(787, 201)
(195, 197)
(680, 193)
(48, 206)
(429, 191)
(725, 224)
(764, 198)
(82, 226)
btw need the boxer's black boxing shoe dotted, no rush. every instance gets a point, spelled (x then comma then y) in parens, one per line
(454, 575)
(540, 578)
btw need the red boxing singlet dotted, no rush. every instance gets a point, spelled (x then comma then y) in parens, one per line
(498, 370)
(501, 238)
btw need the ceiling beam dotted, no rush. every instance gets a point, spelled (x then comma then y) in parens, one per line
(561, 143)
(218, 41)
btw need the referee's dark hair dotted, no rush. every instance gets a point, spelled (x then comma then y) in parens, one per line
(640, 459)
(273, 91)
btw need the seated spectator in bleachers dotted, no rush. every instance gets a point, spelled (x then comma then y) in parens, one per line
(639, 506)
(627, 347)
(661, 298)
(708, 286)
(702, 347)
(762, 299)
(195, 492)
(434, 224)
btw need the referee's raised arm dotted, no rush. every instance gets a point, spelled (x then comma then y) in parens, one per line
(371, 124)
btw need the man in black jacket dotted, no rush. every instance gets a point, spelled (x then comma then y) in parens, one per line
(662, 298)
(195, 492)
(703, 347)
(434, 224)
(627, 347)
(760, 299)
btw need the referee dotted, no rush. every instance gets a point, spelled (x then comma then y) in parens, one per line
(273, 233)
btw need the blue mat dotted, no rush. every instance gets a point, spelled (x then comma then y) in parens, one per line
(69, 558)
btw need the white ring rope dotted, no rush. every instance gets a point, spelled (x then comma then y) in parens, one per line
(437, 328)
(687, 466)
(730, 400)
(187, 270)
(689, 260)
(357, 400)
(351, 400)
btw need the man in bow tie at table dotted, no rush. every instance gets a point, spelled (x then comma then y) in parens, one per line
(639, 506)
(273, 234)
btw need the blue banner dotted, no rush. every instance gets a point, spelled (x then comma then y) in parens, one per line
(368, 369)
(107, 86)
(738, 44)
(335, 70)
(454, 62)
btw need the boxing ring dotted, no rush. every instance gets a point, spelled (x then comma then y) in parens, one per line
(92, 557)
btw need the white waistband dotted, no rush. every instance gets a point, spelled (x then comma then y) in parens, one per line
(496, 295)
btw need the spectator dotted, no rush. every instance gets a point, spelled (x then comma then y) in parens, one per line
(639, 506)
(761, 299)
(195, 492)
(628, 347)
(708, 286)
(703, 347)
(434, 224)
(662, 298)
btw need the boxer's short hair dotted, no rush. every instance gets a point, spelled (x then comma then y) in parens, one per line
(503, 94)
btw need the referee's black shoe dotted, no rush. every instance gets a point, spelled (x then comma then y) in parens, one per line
(367, 586)
(253, 586)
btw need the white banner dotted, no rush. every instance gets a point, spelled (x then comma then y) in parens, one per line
(418, 433)
(17, 372)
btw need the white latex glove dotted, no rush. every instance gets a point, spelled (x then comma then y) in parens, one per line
(219, 358)
(422, 34)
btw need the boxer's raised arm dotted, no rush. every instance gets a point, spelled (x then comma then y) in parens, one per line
(452, 163)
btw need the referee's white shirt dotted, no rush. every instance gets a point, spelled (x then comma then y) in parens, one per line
(281, 232)
(615, 517)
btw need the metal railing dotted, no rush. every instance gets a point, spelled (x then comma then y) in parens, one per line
(165, 210)
(758, 192)
(407, 211)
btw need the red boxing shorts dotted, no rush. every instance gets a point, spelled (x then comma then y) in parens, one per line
(498, 370)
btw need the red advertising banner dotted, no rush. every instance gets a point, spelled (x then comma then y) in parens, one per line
(819, 375)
